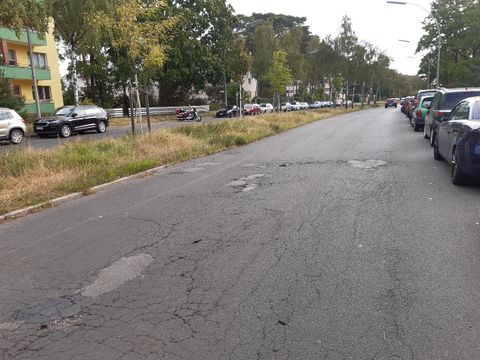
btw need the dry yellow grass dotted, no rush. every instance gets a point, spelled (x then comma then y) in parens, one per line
(32, 176)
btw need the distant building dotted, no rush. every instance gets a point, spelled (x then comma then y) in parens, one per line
(250, 84)
(15, 64)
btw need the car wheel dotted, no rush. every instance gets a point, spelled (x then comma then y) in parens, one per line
(458, 177)
(101, 127)
(436, 153)
(16, 136)
(65, 131)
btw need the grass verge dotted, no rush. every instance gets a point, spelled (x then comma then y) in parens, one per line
(31, 176)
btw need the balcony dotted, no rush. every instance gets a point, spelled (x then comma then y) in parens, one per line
(46, 107)
(24, 72)
(10, 36)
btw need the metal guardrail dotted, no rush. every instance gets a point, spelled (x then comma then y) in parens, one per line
(166, 110)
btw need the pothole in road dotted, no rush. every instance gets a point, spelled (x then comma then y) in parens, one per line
(245, 184)
(51, 309)
(367, 164)
(117, 274)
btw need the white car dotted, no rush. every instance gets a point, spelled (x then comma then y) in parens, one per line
(304, 106)
(266, 108)
(286, 106)
(12, 126)
(295, 106)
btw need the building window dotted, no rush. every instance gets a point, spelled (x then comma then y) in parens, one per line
(39, 59)
(43, 93)
(16, 91)
(12, 57)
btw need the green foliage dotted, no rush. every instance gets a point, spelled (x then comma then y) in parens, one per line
(7, 98)
(22, 14)
(460, 49)
(279, 75)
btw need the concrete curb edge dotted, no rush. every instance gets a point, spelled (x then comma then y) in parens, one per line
(63, 199)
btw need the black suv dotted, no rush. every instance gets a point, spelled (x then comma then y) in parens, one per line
(72, 119)
(442, 104)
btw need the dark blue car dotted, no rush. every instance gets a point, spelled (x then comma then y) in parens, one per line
(458, 141)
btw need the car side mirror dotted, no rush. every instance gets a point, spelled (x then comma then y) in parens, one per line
(74, 115)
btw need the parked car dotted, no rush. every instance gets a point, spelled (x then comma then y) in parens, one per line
(294, 106)
(457, 141)
(410, 107)
(303, 106)
(230, 111)
(12, 126)
(443, 102)
(405, 103)
(266, 108)
(68, 120)
(315, 105)
(251, 109)
(418, 115)
(390, 102)
(286, 106)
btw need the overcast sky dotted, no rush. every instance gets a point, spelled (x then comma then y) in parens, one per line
(374, 21)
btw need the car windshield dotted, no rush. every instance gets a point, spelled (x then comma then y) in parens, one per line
(63, 111)
(453, 99)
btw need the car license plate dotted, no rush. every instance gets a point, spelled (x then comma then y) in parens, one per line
(38, 127)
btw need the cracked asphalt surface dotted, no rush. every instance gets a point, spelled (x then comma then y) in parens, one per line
(351, 243)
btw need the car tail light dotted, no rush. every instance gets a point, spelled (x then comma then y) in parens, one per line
(177, 111)
(419, 113)
(440, 114)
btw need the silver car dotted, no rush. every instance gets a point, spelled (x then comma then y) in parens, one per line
(12, 126)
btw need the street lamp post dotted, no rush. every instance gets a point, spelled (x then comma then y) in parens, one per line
(438, 30)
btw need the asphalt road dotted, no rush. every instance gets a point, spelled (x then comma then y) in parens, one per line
(112, 132)
(342, 239)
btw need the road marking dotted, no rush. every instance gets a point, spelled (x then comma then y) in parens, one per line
(117, 274)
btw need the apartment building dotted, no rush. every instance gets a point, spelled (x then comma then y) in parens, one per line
(15, 65)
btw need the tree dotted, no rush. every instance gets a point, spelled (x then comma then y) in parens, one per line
(25, 14)
(203, 49)
(460, 60)
(279, 74)
(74, 27)
(7, 98)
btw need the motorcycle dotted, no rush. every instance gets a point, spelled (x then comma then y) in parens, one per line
(189, 114)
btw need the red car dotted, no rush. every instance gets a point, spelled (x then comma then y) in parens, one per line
(252, 109)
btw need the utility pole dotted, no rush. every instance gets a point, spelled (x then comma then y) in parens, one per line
(139, 104)
(34, 77)
(428, 73)
(241, 110)
(132, 119)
